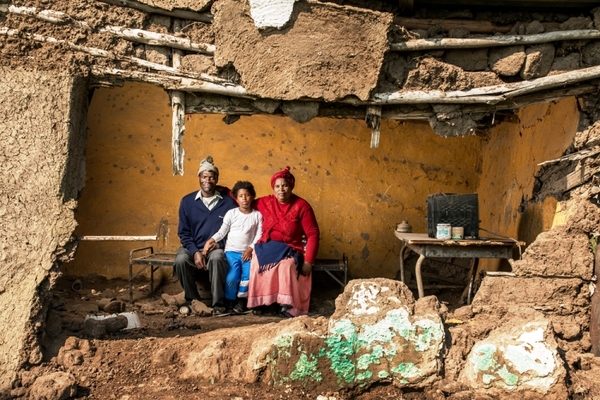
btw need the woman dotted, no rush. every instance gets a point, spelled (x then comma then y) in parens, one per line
(280, 273)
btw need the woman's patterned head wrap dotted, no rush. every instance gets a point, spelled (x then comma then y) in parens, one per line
(285, 174)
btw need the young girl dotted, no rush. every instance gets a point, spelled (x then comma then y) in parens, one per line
(243, 227)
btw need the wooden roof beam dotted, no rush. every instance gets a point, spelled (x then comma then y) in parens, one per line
(494, 41)
(177, 13)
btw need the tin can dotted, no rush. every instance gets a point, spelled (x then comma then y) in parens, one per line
(458, 232)
(443, 231)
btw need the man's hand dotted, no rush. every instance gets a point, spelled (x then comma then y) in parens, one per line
(306, 268)
(199, 260)
(247, 254)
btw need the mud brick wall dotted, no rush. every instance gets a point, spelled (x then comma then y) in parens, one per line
(41, 170)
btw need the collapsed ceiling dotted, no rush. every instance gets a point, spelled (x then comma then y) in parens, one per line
(461, 73)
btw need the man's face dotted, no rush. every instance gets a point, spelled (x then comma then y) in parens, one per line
(208, 182)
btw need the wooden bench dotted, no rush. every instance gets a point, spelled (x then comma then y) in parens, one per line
(147, 258)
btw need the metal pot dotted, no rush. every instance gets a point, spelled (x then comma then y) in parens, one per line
(404, 227)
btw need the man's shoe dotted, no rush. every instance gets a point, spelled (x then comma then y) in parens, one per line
(219, 310)
(229, 304)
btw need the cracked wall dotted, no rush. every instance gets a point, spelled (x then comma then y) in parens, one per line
(358, 193)
(41, 162)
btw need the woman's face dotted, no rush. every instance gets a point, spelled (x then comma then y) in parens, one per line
(282, 190)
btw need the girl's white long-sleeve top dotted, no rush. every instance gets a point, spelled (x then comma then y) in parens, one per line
(242, 230)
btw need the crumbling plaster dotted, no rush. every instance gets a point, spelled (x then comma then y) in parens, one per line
(42, 132)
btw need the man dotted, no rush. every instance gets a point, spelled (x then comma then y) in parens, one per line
(200, 217)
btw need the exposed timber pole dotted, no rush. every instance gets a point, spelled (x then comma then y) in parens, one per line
(373, 120)
(494, 41)
(177, 13)
(178, 109)
(130, 34)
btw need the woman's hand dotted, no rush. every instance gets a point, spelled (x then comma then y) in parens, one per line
(306, 268)
(247, 254)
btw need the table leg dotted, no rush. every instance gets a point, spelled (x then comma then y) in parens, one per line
(512, 264)
(130, 282)
(152, 279)
(402, 263)
(418, 274)
(473, 274)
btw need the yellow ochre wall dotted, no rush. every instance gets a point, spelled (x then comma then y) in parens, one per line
(510, 159)
(359, 194)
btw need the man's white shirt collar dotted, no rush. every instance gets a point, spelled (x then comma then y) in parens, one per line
(209, 202)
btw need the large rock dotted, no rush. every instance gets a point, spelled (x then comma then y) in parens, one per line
(538, 61)
(468, 59)
(556, 253)
(377, 334)
(315, 58)
(158, 54)
(195, 5)
(567, 63)
(562, 296)
(576, 23)
(507, 61)
(54, 386)
(520, 358)
(591, 54)
(585, 384)
(250, 354)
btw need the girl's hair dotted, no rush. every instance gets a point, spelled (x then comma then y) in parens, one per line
(243, 185)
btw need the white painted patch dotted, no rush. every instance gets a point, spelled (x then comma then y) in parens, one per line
(523, 362)
(363, 300)
(532, 354)
(271, 13)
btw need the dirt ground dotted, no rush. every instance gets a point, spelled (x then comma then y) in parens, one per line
(127, 365)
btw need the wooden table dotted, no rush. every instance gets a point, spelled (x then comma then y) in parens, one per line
(475, 249)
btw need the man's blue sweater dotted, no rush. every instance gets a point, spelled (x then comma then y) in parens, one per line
(197, 223)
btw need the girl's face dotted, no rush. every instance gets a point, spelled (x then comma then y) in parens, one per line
(244, 199)
(282, 190)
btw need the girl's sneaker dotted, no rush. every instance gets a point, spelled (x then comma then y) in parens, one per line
(240, 307)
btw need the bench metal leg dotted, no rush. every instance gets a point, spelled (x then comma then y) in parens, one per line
(335, 278)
